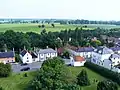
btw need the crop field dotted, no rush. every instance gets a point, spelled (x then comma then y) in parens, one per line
(34, 27)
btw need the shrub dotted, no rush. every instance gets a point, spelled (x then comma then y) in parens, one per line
(107, 85)
(82, 78)
(25, 75)
(5, 70)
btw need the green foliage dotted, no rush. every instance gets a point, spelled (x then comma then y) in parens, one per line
(107, 85)
(82, 78)
(17, 58)
(1, 88)
(5, 70)
(104, 72)
(25, 75)
(71, 87)
(52, 75)
(66, 54)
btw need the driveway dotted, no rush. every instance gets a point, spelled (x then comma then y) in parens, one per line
(33, 66)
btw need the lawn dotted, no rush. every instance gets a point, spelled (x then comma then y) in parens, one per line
(91, 75)
(34, 27)
(17, 81)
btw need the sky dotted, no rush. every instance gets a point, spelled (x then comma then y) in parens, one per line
(61, 9)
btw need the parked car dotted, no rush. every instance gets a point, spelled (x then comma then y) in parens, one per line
(25, 69)
(23, 64)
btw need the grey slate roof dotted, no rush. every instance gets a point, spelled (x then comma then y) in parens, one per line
(115, 48)
(104, 50)
(49, 50)
(85, 49)
(115, 56)
(23, 52)
(7, 54)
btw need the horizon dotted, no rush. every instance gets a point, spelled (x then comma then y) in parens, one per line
(97, 10)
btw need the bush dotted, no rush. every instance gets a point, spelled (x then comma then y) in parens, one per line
(25, 75)
(107, 85)
(114, 76)
(5, 70)
(1, 88)
(82, 78)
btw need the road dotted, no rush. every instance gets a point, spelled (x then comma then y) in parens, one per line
(33, 66)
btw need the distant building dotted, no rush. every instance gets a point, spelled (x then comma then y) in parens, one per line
(44, 54)
(7, 57)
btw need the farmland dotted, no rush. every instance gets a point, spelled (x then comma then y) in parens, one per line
(34, 27)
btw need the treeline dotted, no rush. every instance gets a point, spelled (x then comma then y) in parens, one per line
(77, 37)
(61, 21)
(82, 21)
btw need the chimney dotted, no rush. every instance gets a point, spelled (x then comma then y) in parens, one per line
(24, 48)
(47, 47)
(5, 47)
(13, 50)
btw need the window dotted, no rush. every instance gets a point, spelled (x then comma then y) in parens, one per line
(27, 60)
(27, 57)
(118, 62)
(8, 61)
(103, 60)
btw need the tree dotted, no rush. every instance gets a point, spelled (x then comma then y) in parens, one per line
(107, 85)
(66, 54)
(17, 58)
(71, 87)
(82, 78)
(5, 70)
(53, 25)
(43, 26)
(39, 26)
(53, 75)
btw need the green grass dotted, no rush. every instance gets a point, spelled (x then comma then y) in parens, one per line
(91, 75)
(34, 27)
(17, 81)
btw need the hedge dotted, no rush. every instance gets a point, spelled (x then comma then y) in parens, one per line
(114, 76)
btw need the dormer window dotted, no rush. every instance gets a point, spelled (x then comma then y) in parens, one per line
(100, 51)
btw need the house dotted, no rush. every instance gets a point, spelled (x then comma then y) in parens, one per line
(85, 52)
(105, 57)
(77, 61)
(60, 51)
(26, 57)
(101, 54)
(44, 54)
(116, 49)
(7, 57)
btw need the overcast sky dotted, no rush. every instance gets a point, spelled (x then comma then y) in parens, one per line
(66, 9)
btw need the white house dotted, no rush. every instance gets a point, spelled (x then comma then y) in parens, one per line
(85, 52)
(28, 57)
(77, 61)
(44, 54)
(105, 57)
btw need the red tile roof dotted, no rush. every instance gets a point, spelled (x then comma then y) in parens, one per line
(79, 58)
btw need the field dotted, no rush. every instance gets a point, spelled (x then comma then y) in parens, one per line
(34, 27)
